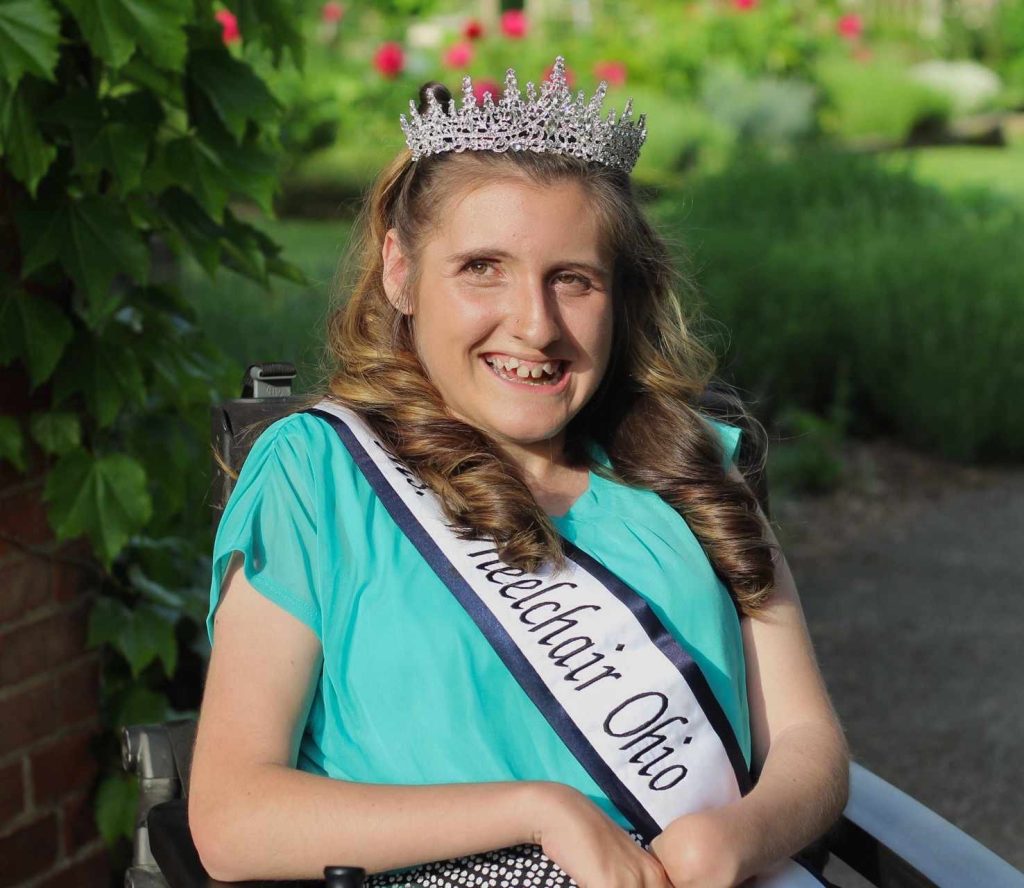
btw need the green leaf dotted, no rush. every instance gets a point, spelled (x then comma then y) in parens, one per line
(41, 228)
(56, 432)
(199, 170)
(290, 272)
(138, 705)
(35, 329)
(234, 91)
(159, 26)
(243, 250)
(165, 84)
(94, 239)
(275, 24)
(252, 173)
(29, 33)
(104, 497)
(113, 134)
(195, 228)
(117, 802)
(107, 620)
(106, 372)
(101, 243)
(139, 633)
(120, 148)
(212, 172)
(12, 442)
(28, 155)
(113, 29)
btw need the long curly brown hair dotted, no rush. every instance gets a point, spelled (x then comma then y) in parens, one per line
(644, 414)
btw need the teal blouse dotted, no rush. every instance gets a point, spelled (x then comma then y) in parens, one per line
(410, 691)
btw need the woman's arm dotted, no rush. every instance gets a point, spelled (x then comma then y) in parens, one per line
(253, 815)
(798, 748)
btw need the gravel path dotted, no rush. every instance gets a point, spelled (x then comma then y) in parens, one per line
(913, 586)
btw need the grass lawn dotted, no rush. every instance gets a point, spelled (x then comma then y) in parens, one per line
(961, 167)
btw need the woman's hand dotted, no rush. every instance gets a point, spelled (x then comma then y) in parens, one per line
(590, 846)
(701, 849)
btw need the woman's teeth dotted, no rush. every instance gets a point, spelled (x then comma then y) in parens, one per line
(547, 373)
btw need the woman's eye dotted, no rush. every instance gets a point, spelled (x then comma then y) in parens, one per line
(573, 280)
(478, 267)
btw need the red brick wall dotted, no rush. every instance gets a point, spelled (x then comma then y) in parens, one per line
(49, 696)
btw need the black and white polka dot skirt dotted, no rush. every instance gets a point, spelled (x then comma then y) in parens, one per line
(522, 866)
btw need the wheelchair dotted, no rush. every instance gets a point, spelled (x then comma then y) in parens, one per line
(888, 838)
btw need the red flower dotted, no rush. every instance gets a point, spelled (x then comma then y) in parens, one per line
(513, 23)
(332, 12)
(613, 72)
(458, 55)
(482, 87)
(228, 26)
(570, 77)
(744, 5)
(850, 26)
(473, 29)
(389, 59)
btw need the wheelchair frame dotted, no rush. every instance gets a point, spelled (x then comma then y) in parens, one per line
(887, 837)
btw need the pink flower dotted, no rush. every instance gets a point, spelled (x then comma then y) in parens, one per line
(389, 59)
(473, 29)
(482, 87)
(332, 12)
(744, 5)
(613, 72)
(513, 23)
(570, 76)
(458, 55)
(228, 26)
(850, 26)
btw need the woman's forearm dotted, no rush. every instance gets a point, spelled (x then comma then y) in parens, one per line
(281, 823)
(801, 792)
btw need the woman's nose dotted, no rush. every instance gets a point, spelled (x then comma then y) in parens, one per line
(535, 318)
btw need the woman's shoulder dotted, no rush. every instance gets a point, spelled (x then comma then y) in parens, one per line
(299, 434)
(301, 449)
(300, 427)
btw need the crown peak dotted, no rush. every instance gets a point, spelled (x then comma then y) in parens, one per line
(554, 122)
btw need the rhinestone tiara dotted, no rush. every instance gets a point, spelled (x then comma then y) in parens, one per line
(555, 122)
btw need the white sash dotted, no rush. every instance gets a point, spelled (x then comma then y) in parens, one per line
(622, 694)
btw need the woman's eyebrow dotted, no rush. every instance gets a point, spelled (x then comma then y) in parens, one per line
(466, 255)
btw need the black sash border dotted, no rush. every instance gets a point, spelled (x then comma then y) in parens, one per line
(521, 668)
(675, 654)
(502, 642)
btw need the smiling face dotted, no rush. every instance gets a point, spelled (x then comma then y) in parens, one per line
(512, 314)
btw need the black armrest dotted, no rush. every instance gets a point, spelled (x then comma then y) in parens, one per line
(180, 865)
(171, 842)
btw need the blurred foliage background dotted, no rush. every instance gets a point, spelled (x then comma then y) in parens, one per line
(846, 179)
(847, 176)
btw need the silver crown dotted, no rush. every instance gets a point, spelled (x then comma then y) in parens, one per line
(554, 122)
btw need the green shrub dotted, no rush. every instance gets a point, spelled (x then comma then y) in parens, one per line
(129, 133)
(833, 259)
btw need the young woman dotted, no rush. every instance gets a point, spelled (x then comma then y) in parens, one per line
(501, 610)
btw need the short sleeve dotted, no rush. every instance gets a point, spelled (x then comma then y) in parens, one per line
(729, 438)
(270, 518)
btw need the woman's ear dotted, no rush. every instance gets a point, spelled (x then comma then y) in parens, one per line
(396, 270)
